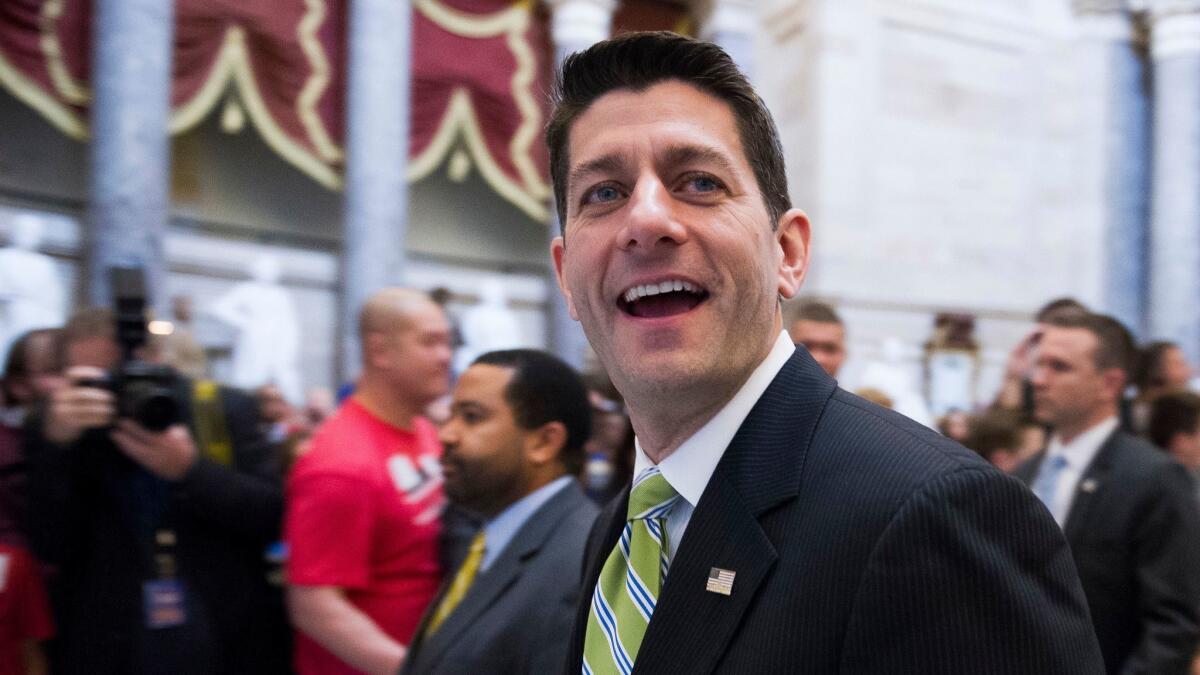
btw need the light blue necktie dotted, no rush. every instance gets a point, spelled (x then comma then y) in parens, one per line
(1047, 481)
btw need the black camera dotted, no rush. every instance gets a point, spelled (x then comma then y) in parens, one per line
(145, 391)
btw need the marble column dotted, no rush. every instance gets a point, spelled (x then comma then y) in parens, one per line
(376, 195)
(130, 149)
(1109, 41)
(575, 25)
(731, 24)
(1175, 211)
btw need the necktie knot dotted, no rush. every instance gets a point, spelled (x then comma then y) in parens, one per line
(651, 497)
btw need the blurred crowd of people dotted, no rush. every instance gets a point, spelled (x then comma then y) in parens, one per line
(237, 532)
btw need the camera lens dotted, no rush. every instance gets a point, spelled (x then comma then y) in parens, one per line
(153, 407)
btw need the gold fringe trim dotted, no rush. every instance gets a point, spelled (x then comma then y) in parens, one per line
(27, 91)
(71, 91)
(317, 83)
(513, 23)
(459, 120)
(233, 63)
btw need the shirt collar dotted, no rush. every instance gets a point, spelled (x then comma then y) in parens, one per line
(1083, 448)
(690, 467)
(498, 531)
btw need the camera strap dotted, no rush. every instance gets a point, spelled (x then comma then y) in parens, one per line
(208, 418)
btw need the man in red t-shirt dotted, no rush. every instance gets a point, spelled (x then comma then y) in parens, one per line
(363, 502)
(24, 613)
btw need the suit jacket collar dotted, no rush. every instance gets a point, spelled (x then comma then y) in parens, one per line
(761, 469)
(489, 586)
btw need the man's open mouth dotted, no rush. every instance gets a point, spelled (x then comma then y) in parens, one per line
(665, 298)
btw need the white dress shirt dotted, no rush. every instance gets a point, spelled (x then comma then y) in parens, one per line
(1079, 453)
(690, 467)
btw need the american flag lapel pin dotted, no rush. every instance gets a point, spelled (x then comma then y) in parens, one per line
(1089, 485)
(720, 581)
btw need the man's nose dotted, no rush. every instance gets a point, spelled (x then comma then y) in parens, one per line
(652, 218)
(448, 434)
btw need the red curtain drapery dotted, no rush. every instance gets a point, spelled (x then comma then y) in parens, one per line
(478, 85)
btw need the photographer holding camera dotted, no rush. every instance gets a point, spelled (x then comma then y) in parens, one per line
(153, 499)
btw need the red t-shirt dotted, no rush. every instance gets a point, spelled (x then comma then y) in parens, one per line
(362, 514)
(24, 611)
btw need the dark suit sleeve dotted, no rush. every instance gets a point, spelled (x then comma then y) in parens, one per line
(1167, 562)
(971, 575)
(247, 498)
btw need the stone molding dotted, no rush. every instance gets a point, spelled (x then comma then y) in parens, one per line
(726, 16)
(1175, 29)
(579, 24)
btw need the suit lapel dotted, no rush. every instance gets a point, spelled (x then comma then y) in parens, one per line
(489, 586)
(1090, 483)
(761, 469)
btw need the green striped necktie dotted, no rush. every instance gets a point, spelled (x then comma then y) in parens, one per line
(630, 580)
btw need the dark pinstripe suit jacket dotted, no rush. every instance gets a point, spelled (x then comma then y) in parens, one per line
(861, 542)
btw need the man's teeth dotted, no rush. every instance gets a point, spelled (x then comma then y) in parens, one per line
(661, 287)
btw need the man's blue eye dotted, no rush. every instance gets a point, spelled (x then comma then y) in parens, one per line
(606, 193)
(704, 183)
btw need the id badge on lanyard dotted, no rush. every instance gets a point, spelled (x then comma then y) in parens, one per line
(164, 598)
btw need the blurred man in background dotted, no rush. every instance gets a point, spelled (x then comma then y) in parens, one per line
(156, 538)
(1174, 426)
(513, 446)
(1128, 510)
(819, 328)
(364, 500)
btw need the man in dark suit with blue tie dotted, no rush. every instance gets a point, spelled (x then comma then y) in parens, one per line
(513, 446)
(776, 523)
(1127, 508)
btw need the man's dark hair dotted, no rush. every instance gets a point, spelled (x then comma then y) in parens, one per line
(817, 312)
(1171, 414)
(1060, 307)
(1115, 346)
(1148, 373)
(544, 389)
(16, 364)
(993, 431)
(638, 61)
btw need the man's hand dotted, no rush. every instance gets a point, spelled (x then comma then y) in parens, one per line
(168, 454)
(74, 409)
(1021, 359)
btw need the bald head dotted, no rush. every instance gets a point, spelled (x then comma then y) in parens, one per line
(405, 346)
(390, 310)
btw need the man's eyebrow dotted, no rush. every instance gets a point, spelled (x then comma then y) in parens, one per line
(678, 155)
(604, 164)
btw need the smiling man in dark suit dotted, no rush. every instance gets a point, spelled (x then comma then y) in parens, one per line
(513, 445)
(1128, 509)
(775, 523)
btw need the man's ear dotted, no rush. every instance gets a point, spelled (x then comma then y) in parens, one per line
(373, 347)
(1114, 381)
(545, 444)
(793, 234)
(558, 251)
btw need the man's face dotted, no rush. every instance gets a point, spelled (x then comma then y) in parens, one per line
(1185, 447)
(483, 462)
(825, 341)
(96, 351)
(415, 356)
(669, 260)
(1068, 389)
(1176, 372)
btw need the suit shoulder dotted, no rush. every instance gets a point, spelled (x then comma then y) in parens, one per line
(876, 459)
(852, 420)
(1137, 460)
